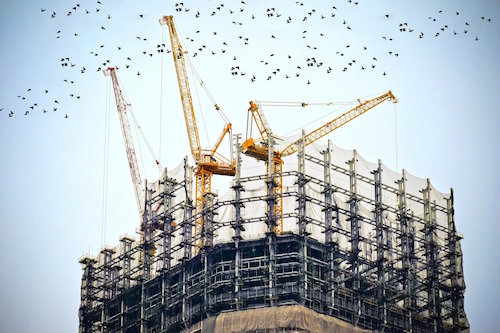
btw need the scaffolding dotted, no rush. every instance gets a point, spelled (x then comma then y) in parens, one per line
(362, 244)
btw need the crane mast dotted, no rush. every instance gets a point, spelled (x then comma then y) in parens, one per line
(261, 151)
(185, 92)
(122, 104)
(208, 161)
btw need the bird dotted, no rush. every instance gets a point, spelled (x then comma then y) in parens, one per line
(138, 73)
(65, 115)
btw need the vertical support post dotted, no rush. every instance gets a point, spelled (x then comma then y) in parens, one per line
(125, 278)
(353, 219)
(208, 217)
(107, 273)
(147, 245)
(206, 250)
(87, 294)
(381, 260)
(271, 223)
(238, 224)
(407, 250)
(107, 255)
(302, 220)
(328, 192)
(142, 321)
(187, 224)
(126, 261)
(167, 236)
(456, 271)
(431, 253)
(187, 243)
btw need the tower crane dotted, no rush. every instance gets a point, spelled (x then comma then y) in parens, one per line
(260, 148)
(208, 161)
(122, 105)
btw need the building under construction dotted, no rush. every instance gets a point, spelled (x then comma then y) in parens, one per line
(361, 248)
(318, 240)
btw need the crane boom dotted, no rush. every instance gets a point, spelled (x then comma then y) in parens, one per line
(122, 104)
(337, 122)
(185, 92)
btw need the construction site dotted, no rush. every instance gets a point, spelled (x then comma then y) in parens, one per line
(308, 238)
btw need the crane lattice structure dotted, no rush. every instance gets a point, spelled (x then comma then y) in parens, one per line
(262, 149)
(122, 104)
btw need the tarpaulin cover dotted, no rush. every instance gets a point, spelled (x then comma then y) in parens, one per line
(293, 316)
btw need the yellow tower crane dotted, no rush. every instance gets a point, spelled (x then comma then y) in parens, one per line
(260, 148)
(208, 161)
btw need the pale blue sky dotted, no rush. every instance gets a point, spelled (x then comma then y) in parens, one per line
(52, 166)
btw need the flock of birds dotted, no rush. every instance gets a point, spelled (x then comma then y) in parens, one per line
(238, 39)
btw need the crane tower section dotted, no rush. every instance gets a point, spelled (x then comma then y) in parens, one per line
(122, 105)
(185, 92)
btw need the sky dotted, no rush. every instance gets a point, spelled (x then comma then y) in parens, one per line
(66, 187)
